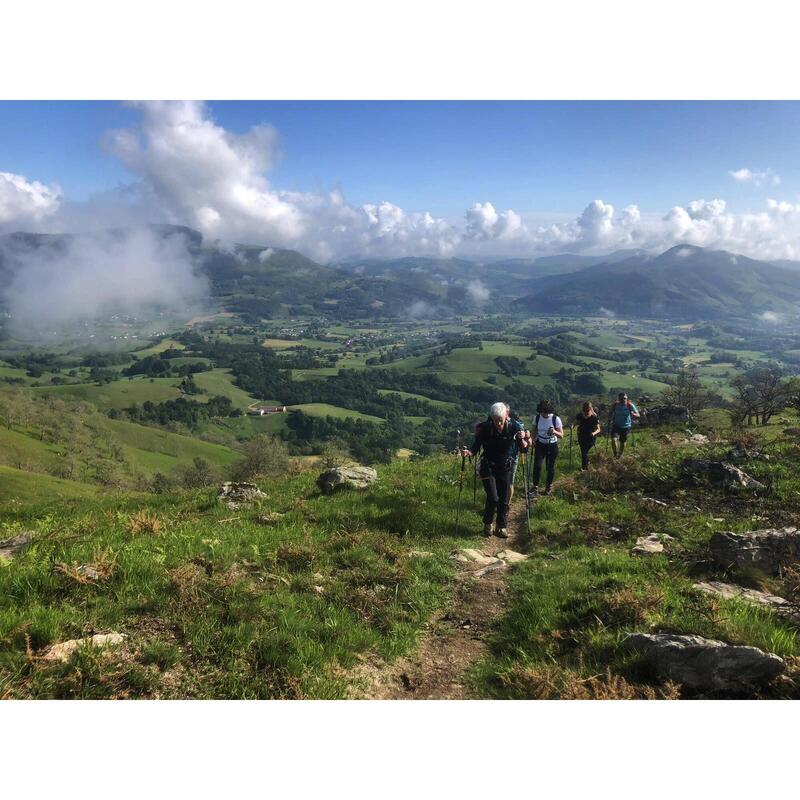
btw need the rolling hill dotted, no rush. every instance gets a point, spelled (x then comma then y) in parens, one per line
(684, 282)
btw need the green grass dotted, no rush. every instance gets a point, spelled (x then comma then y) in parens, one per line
(18, 487)
(327, 410)
(121, 393)
(220, 382)
(217, 605)
(412, 396)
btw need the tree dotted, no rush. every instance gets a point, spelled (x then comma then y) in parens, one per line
(760, 392)
(687, 390)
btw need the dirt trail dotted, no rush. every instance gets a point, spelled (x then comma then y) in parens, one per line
(454, 639)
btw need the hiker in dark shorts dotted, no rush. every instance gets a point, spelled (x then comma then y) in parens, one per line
(623, 412)
(588, 429)
(547, 430)
(500, 438)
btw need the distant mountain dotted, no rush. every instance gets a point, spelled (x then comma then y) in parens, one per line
(684, 282)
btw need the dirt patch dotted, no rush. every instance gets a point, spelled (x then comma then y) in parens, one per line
(454, 640)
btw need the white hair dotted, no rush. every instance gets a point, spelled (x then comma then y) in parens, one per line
(498, 411)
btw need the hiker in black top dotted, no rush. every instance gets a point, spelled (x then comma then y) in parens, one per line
(500, 438)
(588, 429)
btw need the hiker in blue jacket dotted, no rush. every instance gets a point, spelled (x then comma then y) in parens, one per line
(623, 412)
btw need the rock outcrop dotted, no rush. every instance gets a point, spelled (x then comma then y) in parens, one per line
(706, 664)
(64, 651)
(235, 494)
(355, 477)
(667, 414)
(769, 550)
(779, 605)
(9, 548)
(651, 544)
(720, 474)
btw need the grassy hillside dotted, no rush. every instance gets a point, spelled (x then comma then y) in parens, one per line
(19, 488)
(217, 603)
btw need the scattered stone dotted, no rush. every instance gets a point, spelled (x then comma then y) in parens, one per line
(780, 605)
(420, 554)
(88, 571)
(719, 473)
(511, 556)
(706, 664)
(235, 494)
(648, 545)
(490, 568)
(468, 555)
(319, 589)
(654, 503)
(15, 545)
(64, 651)
(666, 438)
(697, 438)
(356, 477)
(271, 518)
(738, 454)
(769, 550)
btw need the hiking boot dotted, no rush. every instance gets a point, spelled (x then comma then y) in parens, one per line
(548, 490)
(533, 492)
(487, 529)
(501, 533)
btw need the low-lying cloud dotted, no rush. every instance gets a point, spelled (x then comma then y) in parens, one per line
(93, 276)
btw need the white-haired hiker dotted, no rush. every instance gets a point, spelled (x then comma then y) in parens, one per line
(500, 437)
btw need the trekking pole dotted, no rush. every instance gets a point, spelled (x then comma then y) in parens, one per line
(527, 498)
(474, 482)
(460, 487)
(570, 446)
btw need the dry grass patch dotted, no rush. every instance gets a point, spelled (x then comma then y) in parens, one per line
(142, 524)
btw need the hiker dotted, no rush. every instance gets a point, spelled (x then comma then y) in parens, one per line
(623, 412)
(547, 430)
(588, 429)
(500, 437)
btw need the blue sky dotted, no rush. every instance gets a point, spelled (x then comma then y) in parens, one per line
(443, 156)
(395, 178)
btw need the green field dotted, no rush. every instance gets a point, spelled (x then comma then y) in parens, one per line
(18, 487)
(326, 410)
(121, 393)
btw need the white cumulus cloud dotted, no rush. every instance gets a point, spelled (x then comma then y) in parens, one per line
(25, 203)
(758, 178)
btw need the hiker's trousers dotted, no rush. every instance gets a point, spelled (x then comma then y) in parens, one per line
(496, 480)
(586, 445)
(547, 454)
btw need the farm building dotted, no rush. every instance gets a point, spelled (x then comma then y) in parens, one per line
(261, 411)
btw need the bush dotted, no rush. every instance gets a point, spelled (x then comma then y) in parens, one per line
(264, 456)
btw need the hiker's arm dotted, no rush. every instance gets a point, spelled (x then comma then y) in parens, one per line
(635, 412)
(559, 432)
(597, 430)
(473, 449)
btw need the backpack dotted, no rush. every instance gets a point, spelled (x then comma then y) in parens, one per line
(536, 424)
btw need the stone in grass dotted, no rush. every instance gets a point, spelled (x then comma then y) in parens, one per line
(651, 544)
(470, 556)
(770, 549)
(354, 477)
(719, 473)
(420, 553)
(706, 664)
(511, 556)
(780, 605)
(64, 651)
(235, 494)
(15, 545)
(272, 518)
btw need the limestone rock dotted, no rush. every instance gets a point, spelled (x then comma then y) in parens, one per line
(697, 438)
(648, 545)
(706, 664)
(769, 550)
(780, 605)
(235, 494)
(470, 556)
(15, 545)
(420, 553)
(720, 474)
(64, 651)
(655, 504)
(355, 477)
(511, 556)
